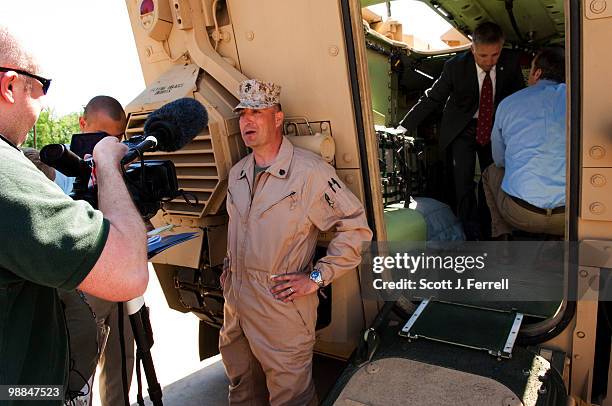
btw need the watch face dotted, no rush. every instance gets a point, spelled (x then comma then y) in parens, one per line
(317, 278)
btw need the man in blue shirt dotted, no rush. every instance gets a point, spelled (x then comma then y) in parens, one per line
(525, 187)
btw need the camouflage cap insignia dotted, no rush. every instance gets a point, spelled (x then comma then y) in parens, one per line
(255, 94)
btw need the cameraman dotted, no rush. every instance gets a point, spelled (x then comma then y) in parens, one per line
(105, 114)
(51, 242)
(101, 114)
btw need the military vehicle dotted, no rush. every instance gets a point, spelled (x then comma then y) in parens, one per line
(347, 78)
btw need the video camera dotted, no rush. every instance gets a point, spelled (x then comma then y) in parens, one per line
(150, 182)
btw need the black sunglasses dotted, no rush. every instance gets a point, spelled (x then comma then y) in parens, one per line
(44, 82)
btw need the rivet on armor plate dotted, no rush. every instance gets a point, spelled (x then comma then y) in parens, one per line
(597, 152)
(598, 180)
(597, 208)
(598, 6)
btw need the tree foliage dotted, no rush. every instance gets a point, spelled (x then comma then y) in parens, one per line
(53, 130)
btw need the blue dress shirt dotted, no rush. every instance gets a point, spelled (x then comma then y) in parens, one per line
(63, 181)
(528, 139)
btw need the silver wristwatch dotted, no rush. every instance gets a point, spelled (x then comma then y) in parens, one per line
(317, 277)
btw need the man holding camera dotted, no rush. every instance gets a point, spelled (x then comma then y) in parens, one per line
(101, 114)
(105, 114)
(279, 197)
(51, 242)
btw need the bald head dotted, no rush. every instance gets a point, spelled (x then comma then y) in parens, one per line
(12, 53)
(103, 113)
(21, 95)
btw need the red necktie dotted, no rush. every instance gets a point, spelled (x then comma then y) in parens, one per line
(485, 112)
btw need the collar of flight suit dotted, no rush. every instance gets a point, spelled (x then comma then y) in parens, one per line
(279, 168)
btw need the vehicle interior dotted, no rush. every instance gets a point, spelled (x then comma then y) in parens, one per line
(412, 165)
(415, 175)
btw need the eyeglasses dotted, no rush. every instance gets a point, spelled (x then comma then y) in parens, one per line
(44, 82)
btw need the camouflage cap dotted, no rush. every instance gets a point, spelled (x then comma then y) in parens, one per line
(255, 94)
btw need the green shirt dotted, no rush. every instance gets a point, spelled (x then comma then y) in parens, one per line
(257, 170)
(48, 242)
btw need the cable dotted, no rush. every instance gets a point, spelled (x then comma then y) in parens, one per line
(568, 314)
(509, 9)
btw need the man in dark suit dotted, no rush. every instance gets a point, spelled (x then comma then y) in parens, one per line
(470, 87)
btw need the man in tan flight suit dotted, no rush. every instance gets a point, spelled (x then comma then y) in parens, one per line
(279, 197)
(105, 114)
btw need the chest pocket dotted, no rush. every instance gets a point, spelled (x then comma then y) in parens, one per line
(231, 207)
(238, 201)
(275, 219)
(283, 206)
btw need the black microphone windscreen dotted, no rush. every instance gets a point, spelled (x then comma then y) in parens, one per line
(176, 123)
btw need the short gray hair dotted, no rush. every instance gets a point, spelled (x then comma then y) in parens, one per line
(487, 33)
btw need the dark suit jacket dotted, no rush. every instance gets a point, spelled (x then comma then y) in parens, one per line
(457, 90)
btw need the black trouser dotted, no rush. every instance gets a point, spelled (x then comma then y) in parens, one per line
(473, 212)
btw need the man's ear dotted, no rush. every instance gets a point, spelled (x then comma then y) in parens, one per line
(7, 87)
(537, 74)
(82, 123)
(279, 117)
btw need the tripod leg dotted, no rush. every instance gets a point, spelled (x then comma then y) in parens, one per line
(143, 336)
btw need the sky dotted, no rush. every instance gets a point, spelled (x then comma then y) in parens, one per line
(85, 46)
(417, 19)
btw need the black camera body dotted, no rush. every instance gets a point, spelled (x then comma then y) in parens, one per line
(150, 182)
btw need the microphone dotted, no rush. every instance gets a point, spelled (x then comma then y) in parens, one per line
(170, 128)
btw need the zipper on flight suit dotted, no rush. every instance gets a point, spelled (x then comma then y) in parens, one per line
(241, 245)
